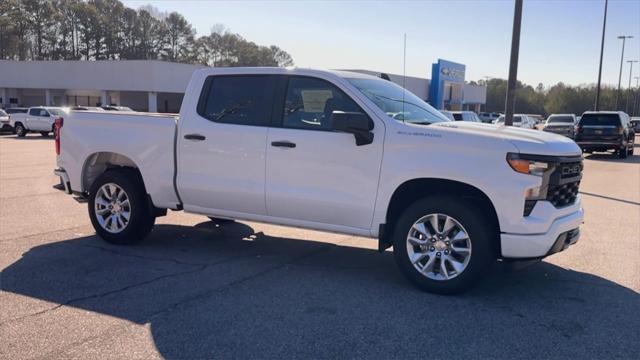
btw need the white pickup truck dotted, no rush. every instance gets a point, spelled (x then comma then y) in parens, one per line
(333, 151)
(37, 119)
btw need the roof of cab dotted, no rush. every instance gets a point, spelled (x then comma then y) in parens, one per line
(283, 71)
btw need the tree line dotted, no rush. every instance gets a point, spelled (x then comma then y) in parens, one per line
(559, 98)
(108, 30)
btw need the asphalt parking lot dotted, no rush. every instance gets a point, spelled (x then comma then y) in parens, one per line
(195, 289)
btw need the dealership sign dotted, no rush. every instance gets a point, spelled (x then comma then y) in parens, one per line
(443, 72)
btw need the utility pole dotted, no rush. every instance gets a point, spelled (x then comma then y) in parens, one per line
(624, 39)
(630, 91)
(604, 27)
(510, 102)
(635, 100)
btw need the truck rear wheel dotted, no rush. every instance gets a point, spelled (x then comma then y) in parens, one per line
(119, 209)
(443, 244)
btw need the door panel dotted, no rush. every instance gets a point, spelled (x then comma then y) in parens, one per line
(223, 171)
(326, 178)
(320, 175)
(221, 147)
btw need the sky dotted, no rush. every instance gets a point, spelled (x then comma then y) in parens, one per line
(560, 40)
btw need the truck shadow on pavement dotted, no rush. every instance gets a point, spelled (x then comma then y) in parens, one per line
(224, 291)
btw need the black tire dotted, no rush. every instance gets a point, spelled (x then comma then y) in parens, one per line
(483, 242)
(221, 221)
(20, 130)
(623, 152)
(44, 133)
(141, 219)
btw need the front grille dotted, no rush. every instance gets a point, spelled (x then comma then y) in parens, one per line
(563, 195)
(570, 169)
(564, 182)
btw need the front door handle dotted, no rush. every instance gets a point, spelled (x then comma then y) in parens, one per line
(197, 137)
(287, 144)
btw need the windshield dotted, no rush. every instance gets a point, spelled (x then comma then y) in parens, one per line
(55, 112)
(397, 103)
(3, 113)
(560, 119)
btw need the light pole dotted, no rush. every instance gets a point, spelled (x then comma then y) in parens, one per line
(624, 39)
(604, 27)
(513, 65)
(626, 107)
(486, 84)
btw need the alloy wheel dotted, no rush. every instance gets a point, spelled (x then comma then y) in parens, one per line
(112, 208)
(439, 247)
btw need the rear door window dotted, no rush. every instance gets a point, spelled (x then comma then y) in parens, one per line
(600, 120)
(241, 100)
(457, 116)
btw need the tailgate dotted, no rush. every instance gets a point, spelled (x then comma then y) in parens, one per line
(599, 132)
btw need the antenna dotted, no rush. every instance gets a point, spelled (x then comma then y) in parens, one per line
(404, 73)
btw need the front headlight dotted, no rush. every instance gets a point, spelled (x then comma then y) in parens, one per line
(524, 166)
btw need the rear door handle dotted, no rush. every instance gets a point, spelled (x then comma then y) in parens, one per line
(287, 144)
(194, 137)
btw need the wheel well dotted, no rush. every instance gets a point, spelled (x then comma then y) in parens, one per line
(98, 163)
(413, 190)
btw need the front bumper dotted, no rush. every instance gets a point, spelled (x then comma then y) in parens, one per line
(562, 233)
(600, 144)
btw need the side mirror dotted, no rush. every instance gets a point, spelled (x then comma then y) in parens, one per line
(356, 123)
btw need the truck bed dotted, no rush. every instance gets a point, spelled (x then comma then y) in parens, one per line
(144, 140)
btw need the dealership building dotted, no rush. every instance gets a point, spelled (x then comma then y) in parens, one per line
(159, 86)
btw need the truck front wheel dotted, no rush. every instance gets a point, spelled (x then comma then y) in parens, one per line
(443, 244)
(119, 209)
(20, 130)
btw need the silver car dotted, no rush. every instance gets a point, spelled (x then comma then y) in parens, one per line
(562, 124)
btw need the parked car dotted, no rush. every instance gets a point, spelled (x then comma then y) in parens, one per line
(87, 108)
(488, 117)
(537, 119)
(448, 114)
(519, 120)
(37, 119)
(563, 124)
(116, 108)
(325, 150)
(635, 122)
(16, 110)
(605, 130)
(4, 121)
(465, 116)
